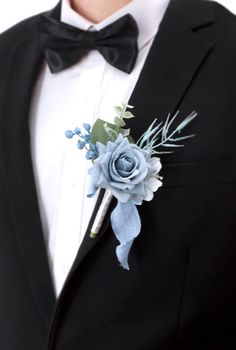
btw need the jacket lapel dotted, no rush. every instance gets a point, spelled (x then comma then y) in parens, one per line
(175, 57)
(24, 65)
(174, 60)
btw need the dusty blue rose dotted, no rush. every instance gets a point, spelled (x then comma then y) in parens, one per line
(128, 171)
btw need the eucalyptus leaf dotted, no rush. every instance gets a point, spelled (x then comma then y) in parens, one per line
(128, 115)
(98, 133)
(119, 122)
(113, 134)
(125, 132)
(118, 110)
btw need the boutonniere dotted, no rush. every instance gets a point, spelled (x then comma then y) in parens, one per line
(127, 170)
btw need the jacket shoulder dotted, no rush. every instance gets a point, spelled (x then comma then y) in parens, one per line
(19, 32)
(224, 17)
(221, 31)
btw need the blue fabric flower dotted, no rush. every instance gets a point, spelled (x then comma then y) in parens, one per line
(125, 169)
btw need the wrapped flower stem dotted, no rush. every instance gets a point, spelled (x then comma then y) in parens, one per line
(101, 214)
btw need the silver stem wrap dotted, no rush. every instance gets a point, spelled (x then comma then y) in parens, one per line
(101, 214)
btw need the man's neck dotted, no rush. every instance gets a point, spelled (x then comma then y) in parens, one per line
(97, 10)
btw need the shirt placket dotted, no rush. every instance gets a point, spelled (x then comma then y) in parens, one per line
(71, 216)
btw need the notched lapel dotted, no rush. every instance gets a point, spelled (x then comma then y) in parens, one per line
(174, 60)
(24, 64)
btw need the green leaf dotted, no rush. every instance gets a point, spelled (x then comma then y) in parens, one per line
(125, 132)
(119, 122)
(113, 134)
(118, 110)
(98, 134)
(128, 115)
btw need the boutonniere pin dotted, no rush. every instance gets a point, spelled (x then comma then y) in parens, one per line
(127, 170)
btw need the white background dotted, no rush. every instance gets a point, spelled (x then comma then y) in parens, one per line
(12, 11)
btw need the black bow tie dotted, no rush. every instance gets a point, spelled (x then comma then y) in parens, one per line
(64, 45)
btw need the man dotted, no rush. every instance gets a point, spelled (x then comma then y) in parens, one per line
(61, 289)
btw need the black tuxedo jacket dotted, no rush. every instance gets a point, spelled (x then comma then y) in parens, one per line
(180, 292)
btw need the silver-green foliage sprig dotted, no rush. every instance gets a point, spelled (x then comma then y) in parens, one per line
(160, 135)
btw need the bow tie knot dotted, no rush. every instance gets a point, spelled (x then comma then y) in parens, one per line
(64, 45)
(88, 40)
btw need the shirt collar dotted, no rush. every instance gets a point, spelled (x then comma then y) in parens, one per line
(148, 15)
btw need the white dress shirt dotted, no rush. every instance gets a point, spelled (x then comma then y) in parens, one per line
(80, 94)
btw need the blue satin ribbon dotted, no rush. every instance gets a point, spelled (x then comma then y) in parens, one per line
(126, 224)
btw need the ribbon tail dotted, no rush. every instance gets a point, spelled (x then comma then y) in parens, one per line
(126, 224)
(122, 253)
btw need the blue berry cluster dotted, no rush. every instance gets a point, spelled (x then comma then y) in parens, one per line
(84, 141)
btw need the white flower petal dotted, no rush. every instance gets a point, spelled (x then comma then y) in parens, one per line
(148, 195)
(153, 183)
(155, 164)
